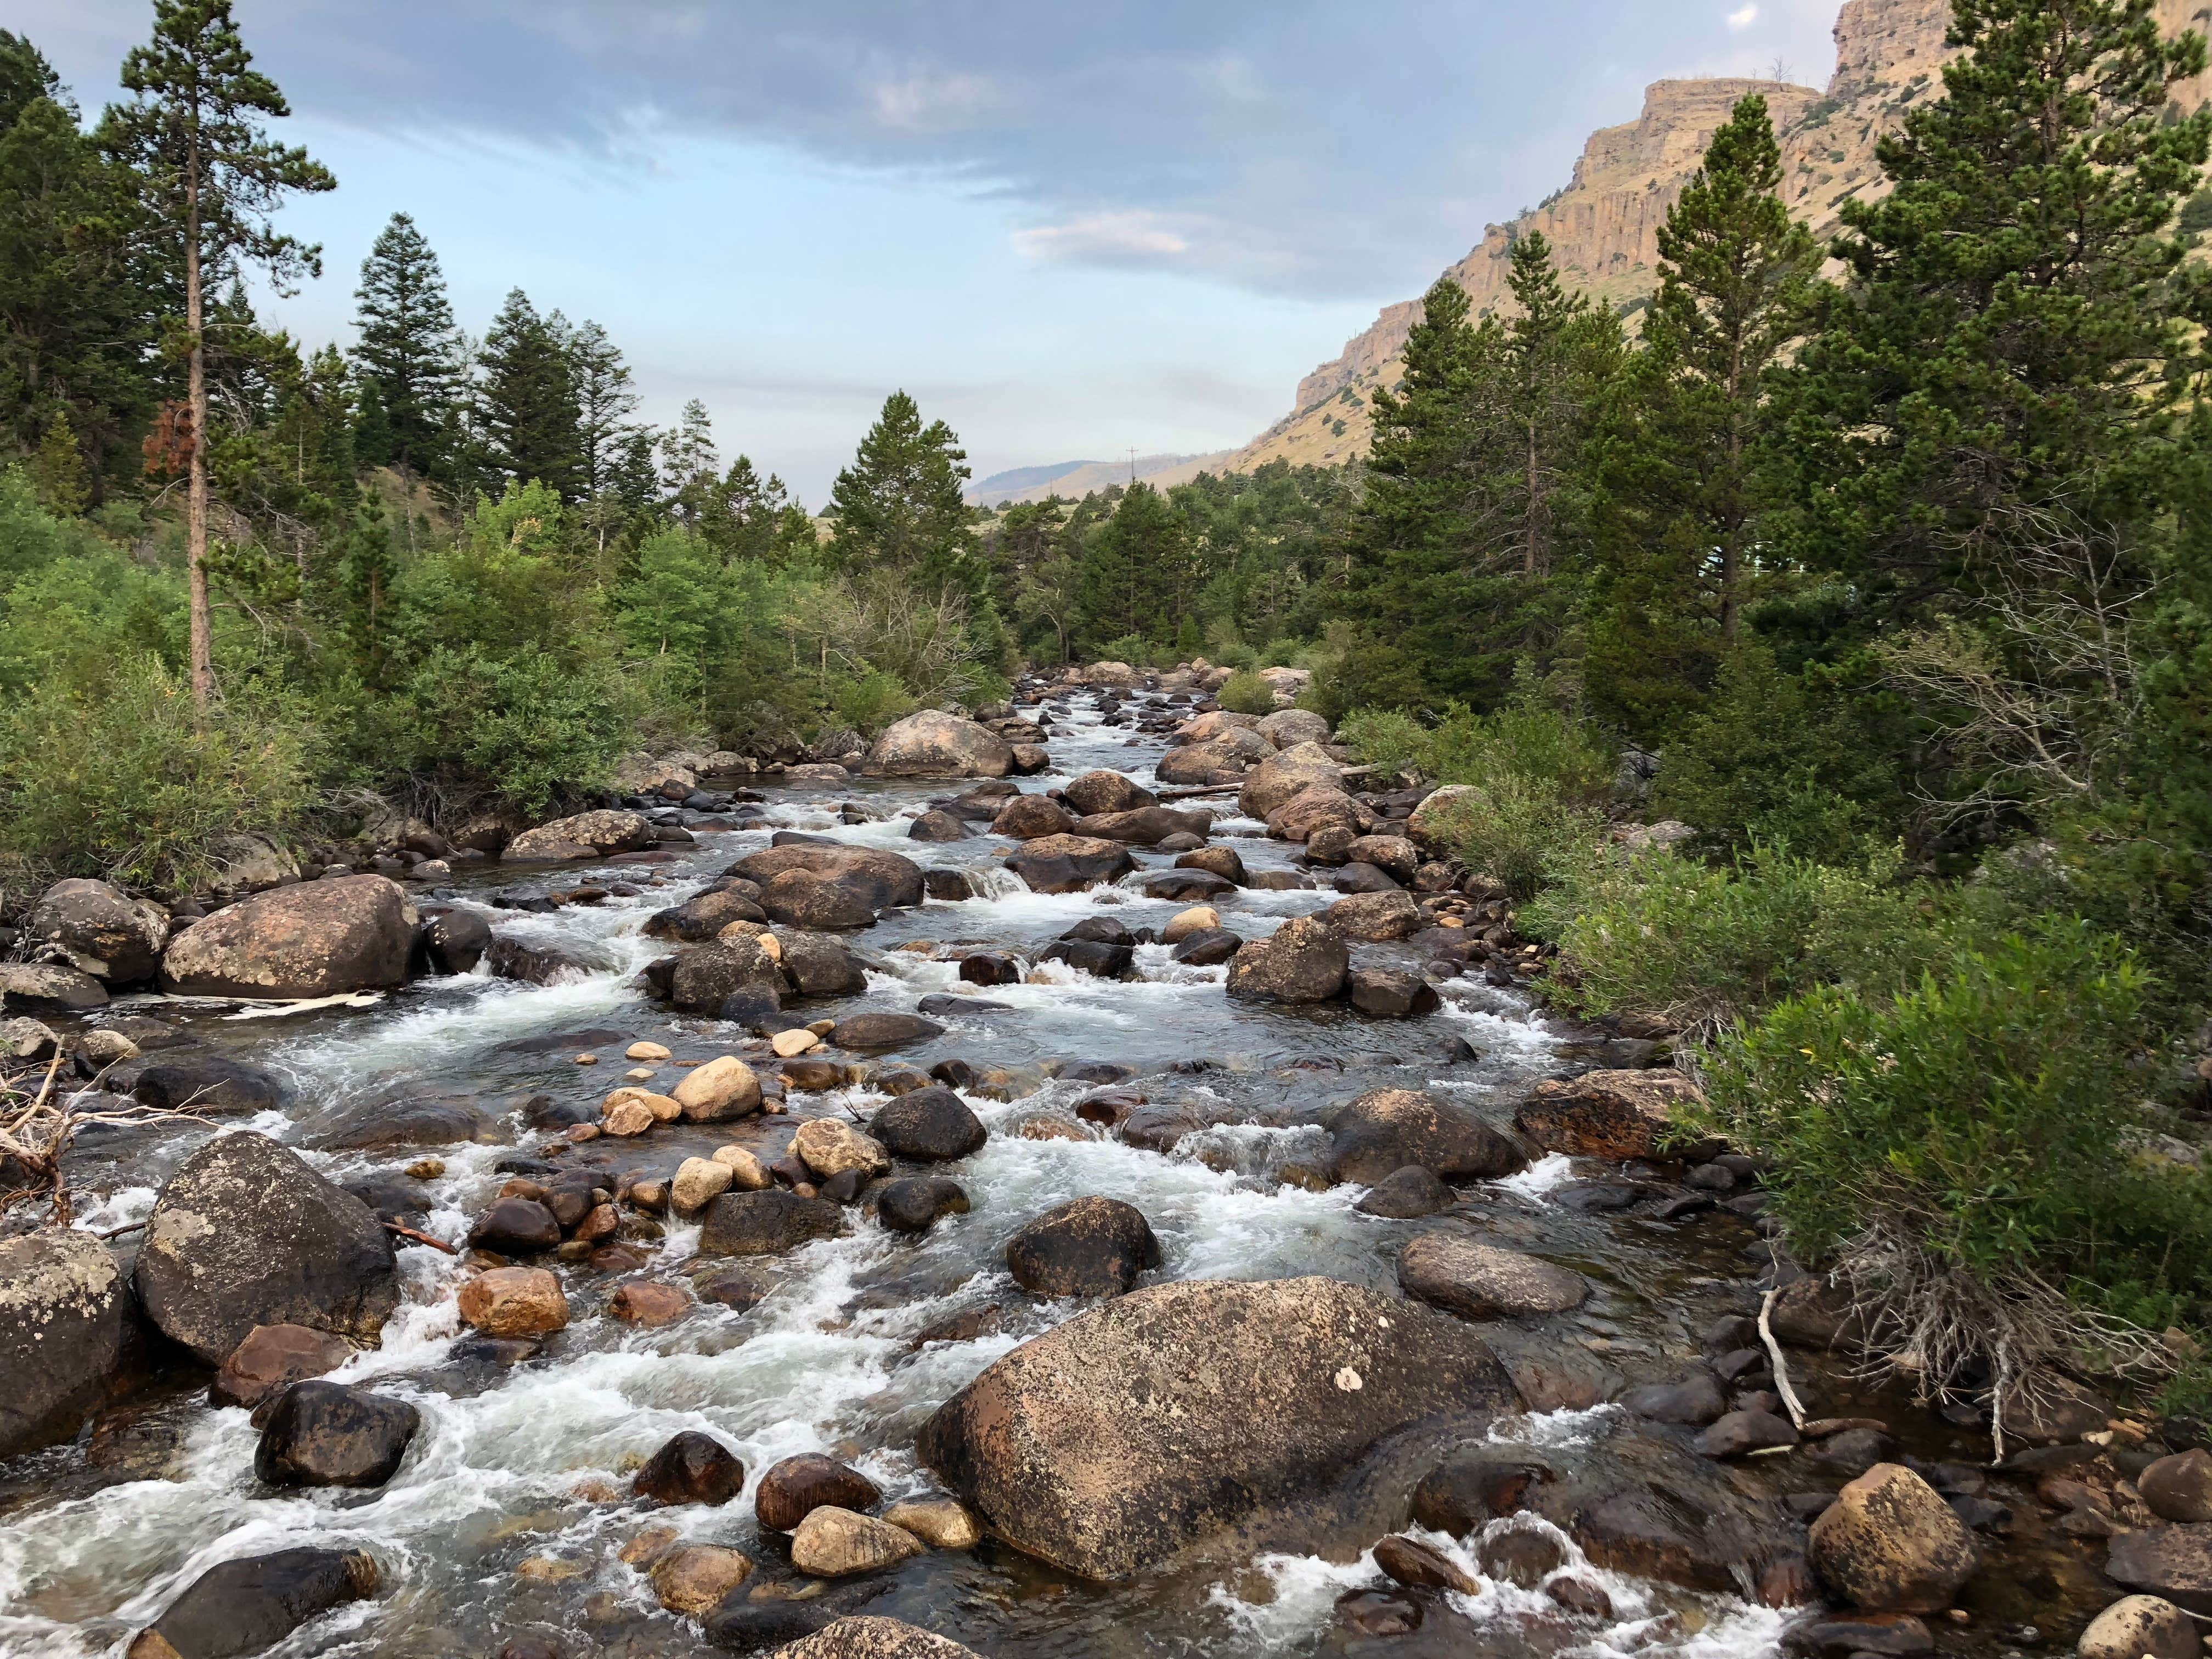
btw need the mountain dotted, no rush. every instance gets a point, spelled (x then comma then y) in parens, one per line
(1604, 222)
(1076, 480)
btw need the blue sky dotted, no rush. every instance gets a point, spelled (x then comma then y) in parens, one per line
(1070, 231)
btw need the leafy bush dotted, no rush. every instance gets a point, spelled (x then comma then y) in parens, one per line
(127, 785)
(1515, 829)
(1245, 692)
(1700, 945)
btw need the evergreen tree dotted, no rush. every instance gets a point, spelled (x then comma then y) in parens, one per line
(527, 408)
(1133, 576)
(407, 347)
(61, 468)
(373, 440)
(689, 465)
(2017, 338)
(1546, 360)
(605, 399)
(1677, 465)
(212, 178)
(898, 506)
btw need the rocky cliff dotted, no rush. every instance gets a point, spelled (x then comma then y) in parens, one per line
(1605, 223)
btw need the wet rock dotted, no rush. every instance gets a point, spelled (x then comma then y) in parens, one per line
(454, 941)
(1274, 1389)
(2172, 1561)
(1579, 1594)
(1694, 1402)
(1305, 961)
(700, 918)
(2140, 1628)
(928, 1126)
(690, 1468)
(990, 967)
(1838, 1635)
(1396, 856)
(937, 825)
(1280, 776)
(1419, 1566)
(724, 1088)
(514, 1301)
(1890, 1544)
(801, 898)
(883, 1030)
(1616, 1114)
(1475, 1280)
(1521, 1555)
(1375, 1613)
(316, 940)
(534, 964)
(694, 1579)
(1033, 818)
(64, 1326)
(2179, 1487)
(707, 977)
(1147, 826)
(516, 1226)
(793, 1489)
(272, 1356)
(47, 989)
(1376, 916)
(210, 1083)
(1208, 948)
(917, 1203)
(246, 1605)
(1222, 861)
(246, 1234)
(934, 745)
(1199, 919)
(1407, 1194)
(1158, 1128)
(771, 1223)
(1740, 1433)
(1102, 792)
(820, 966)
(1355, 879)
(1186, 886)
(97, 929)
(327, 1434)
(643, 1302)
(586, 835)
(829, 1146)
(873, 1638)
(1387, 994)
(377, 1124)
(1811, 1313)
(885, 880)
(1069, 863)
(1386, 1129)
(1087, 1247)
(809, 1075)
(1466, 1491)
(832, 1542)
(2049, 1410)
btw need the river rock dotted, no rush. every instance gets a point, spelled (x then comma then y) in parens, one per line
(246, 1234)
(454, 941)
(2172, 1561)
(1740, 1433)
(532, 964)
(915, 1204)
(1376, 916)
(36, 987)
(1145, 826)
(820, 966)
(700, 918)
(801, 898)
(1103, 791)
(2141, 1627)
(695, 1579)
(327, 1434)
(1890, 1544)
(1032, 818)
(316, 940)
(1388, 993)
(272, 1356)
(1396, 856)
(1384, 1130)
(1281, 776)
(1305, 960)
(1407, 1194)
(516, 1226)
(698, 1181)
(936, 825)
(2179, 1487)
(872, 1637)
(690, 1468)
(883, 1030)
(829, 1146)
(724, 1087)
(1613, 1114)
(791, 1491)
(1475, 1280)
(837, 1543)
(1069, 864)
(1199, 919)
(934, 744)
(1202, 763)
(887, 880)
(938, 1523)
(1222, 861)
(1144, 1424)
(206, 1082)
(707, 975)
(1422, 1566)
(2049, 1410)
(596, 834)
(243, 1606)
(1317, 809)
(1431, 825)
(1208, 948)
(1694, 1402)
(1087, 1247)
(64, 1322)
(771, 1223)
(97, 930)
(514, 1301)
(1286, 728)
(929, 1126)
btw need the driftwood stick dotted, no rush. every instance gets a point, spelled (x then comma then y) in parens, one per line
(1197, 789)
(1780, 1367)
(117, 1232)
(420, 1238)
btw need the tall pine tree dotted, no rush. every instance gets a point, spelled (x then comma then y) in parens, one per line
(407, 348)
(530, 425)
(898, 507)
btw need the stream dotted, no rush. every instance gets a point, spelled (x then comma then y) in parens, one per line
(507, 1516)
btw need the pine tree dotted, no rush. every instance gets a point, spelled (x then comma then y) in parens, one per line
(1543, 380)
(1133, 576)
(690, 464)
(526, 410)
(212, 178)
(605, 399)
(1677, 465)
(898, 507)
(61, 468)
(407, 345)
(2017, 338)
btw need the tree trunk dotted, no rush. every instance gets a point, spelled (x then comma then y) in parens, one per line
(196, 521)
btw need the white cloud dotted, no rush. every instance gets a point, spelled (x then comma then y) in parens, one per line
(1109, 237)
(1743, 19)
(924, 103)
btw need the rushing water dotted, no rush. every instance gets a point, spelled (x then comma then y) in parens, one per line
(507, 1516)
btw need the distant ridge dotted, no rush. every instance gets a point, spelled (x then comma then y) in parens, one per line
(1076, 480)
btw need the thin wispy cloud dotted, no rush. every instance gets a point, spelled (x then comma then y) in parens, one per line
(1743, 18)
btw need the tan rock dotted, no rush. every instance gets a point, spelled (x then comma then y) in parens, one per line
(941, 1522)
(515, 1302)
(789, 1045)
(693, 1579)
(628, 1117)
(2140, 1628)
(642, 1051)
(869, 1637)
(724, 1087)
(1890, 1544)
(1618, 1114)
(665, 1108)
(747, 1173)
(641, 1301)
(829, 1146)
(834, 1543)
(1196, 920)
(647, 1546)
(699, 1181)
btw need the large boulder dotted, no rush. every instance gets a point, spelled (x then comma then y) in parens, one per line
(886, 880)
(931, 744)
(1146, 1425)
(872, 1637)
(1286, 728)
(1315, 809)
(65, 1319)
(1305, 960)
(1220, 723)
(767, 1223)
(327, 1434)
(1432, 824)
(1144, 826)
(587, 834)
(1086, 1247)
(793, 1489)
(1376, 916)
(1616, 1114)
(202, 1083)
(706, 976)
(1102, 792)
(1463, 1275)
(1890, 1544)
(929, 1126)
(799, 899)
(454, 941)
(1282, 775)
(819, 965)
(317, 939)
(272, 1357)
(1384, 1130)
(97, 930)
(1069, 864)
(1207, 763)
(1032, 818)
(48, 987)
(2175, 1561)
(246, 1234)
(2140, 1628)
(703, 916)
(243, 1606)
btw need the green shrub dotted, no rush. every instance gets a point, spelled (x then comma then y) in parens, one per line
(1515, 829)
(1245, 692)
(523, 735)
(1700, 945)
(126, 785)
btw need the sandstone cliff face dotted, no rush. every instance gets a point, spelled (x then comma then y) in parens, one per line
(1605, 223)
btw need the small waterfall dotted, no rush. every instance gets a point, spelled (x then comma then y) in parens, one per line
(995, 881)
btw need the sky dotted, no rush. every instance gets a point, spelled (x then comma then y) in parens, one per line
(1071, 231)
